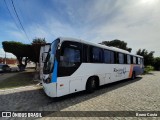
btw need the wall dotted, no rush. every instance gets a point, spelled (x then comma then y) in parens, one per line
(8, 61)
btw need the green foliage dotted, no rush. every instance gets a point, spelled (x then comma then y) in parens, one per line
(36, 46)
(28, 51)
(20, 50)
(148, 56)
(117, 43)
(39, 41)
(148, 69)
(17, 48)
(157, 63)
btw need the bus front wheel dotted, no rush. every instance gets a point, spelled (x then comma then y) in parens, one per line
(91, 85)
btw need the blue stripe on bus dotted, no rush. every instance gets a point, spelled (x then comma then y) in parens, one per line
(54, 74)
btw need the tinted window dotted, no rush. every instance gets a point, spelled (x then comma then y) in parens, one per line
(134, 60)
(96, 55)
(139, 61)
(107, 56)
(121, 58)
(70, 57)
(112, 57)
(116, 57)
(48, 65)
(128, 59)
(54, 46)
(85, 53)
(125, 59)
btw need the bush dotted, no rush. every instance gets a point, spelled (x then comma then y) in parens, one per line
(157, 63)
(148, 68)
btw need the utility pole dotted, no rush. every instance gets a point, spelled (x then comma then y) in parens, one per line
(5, 58)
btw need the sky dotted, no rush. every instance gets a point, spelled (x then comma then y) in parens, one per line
(133, 21)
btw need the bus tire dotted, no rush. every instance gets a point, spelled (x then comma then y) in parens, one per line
(91, 85)
(133, 76)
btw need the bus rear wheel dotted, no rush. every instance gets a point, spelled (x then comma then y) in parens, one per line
(133, 76)
(91, 85)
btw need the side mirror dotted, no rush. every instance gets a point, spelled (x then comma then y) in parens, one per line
(44, 55)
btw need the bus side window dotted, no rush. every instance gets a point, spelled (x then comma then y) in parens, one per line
(97, 55)
(70, 57)
(116, 58)
(107, 56)
(128, 59)
(112, 57)
(134, 60)
(131, 59)
(125, 59)
(121, 58)
(139, 61)
(142, 61)
(85, 53)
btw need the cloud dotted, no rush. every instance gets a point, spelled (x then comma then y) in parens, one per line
(9, 31)
(8, 55)
(96, 21)
(51, 30)
(134, 21)
(136, 24)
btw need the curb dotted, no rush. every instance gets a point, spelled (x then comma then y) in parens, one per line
(21, 88)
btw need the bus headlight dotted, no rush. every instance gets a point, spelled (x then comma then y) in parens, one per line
(48, 80)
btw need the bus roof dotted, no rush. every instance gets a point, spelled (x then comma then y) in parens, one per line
(98, 45)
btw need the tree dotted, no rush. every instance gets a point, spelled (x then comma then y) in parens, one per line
(157, 63)
(117, 43)
(39, 41)
(148, 56)
(36, 46)
(24, 52)
(20, 50)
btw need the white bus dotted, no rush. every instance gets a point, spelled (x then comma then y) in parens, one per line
(74, 65)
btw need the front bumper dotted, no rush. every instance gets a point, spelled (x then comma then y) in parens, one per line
(50, 89)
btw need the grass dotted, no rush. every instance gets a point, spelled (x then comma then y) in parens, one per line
(22, 79)
(148, 69)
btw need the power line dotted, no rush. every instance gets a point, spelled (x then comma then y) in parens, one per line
(19, 20)
(11, 14)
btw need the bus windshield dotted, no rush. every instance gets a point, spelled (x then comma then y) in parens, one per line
(49, 62)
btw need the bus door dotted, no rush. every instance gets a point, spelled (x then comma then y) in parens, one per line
(70, 60)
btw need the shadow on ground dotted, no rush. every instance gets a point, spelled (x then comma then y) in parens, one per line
(36, 100)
